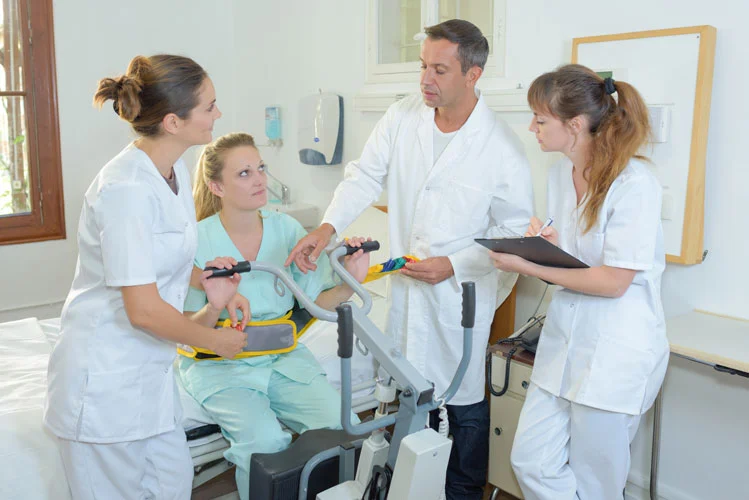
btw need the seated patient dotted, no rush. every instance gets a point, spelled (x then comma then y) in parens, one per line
(249, 397)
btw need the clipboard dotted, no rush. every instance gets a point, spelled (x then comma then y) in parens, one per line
(534, 249)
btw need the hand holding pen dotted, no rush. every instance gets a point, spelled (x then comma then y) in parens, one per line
(544, 230)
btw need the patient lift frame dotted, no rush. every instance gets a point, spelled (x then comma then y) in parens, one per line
(420, 468)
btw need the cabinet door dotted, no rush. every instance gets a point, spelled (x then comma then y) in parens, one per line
(505, 412)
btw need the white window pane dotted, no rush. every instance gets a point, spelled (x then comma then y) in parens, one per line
(11, 56)
(15, 196)
(479, 12)
(399, 21)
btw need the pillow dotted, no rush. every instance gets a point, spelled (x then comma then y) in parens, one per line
(373, 223)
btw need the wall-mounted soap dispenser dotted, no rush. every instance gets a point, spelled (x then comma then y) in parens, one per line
(273, 126)
(321, 129)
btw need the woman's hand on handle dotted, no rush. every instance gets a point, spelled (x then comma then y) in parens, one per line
(220, 291)
(357, 264)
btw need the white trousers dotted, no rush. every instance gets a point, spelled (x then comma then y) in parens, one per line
(565, 451)
(158, 467)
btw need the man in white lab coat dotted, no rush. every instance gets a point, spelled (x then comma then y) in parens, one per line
(454, 172)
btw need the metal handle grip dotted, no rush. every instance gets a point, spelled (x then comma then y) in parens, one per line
(345, 331)
(469, 304)
(367, 246)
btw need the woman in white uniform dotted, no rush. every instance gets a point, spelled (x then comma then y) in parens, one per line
(603, 351)
(112, 397)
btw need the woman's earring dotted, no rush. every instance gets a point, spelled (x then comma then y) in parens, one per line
(574, 142)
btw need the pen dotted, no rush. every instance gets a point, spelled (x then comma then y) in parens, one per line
(548, 223)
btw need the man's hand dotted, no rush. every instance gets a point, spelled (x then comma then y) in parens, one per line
(309, 248)
(432, 270)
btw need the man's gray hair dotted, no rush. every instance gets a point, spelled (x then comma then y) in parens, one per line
(473, 48)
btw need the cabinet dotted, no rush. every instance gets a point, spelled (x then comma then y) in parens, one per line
(504, 414)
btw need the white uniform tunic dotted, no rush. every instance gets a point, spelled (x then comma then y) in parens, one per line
(480, 182)
(108, 380)
(608, 353)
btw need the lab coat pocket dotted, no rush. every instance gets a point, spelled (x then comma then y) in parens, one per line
(464, 210)
(112, 406)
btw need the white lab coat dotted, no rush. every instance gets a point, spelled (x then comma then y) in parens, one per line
(608, 353)
(480, 182)
(108, 380)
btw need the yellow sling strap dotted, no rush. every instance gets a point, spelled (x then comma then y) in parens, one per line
(280, 335)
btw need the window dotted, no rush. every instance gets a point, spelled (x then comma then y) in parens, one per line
(394, 26)
(31, 203)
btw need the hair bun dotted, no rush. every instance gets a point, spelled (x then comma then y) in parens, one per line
(126, 97)
(138, 68)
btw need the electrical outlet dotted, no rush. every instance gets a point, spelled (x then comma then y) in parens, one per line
(667, 207)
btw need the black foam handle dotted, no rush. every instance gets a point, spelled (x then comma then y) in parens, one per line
(469, 304)
(367, 246)
(345, 331)
(241, 267)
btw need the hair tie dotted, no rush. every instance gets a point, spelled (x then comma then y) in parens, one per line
(118, 84)
(608, 84)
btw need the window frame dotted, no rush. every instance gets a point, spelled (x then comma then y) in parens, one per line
(46, 221)
(404, 72)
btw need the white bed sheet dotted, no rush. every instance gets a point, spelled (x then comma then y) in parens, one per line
(30, 463)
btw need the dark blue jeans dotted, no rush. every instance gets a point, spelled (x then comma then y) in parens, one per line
(469, 458)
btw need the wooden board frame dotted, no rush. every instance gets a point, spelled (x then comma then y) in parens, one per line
(692, 248)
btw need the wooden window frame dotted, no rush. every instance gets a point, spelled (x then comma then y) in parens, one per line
(46, 221)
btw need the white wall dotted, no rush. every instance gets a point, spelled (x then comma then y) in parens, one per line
(289, 50)
(95, 39)
(273, 53)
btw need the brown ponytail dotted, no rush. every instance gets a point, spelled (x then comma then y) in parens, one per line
(151, 88)
(210, 166)
(619, 128)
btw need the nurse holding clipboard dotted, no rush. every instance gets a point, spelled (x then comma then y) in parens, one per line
(603, 351)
